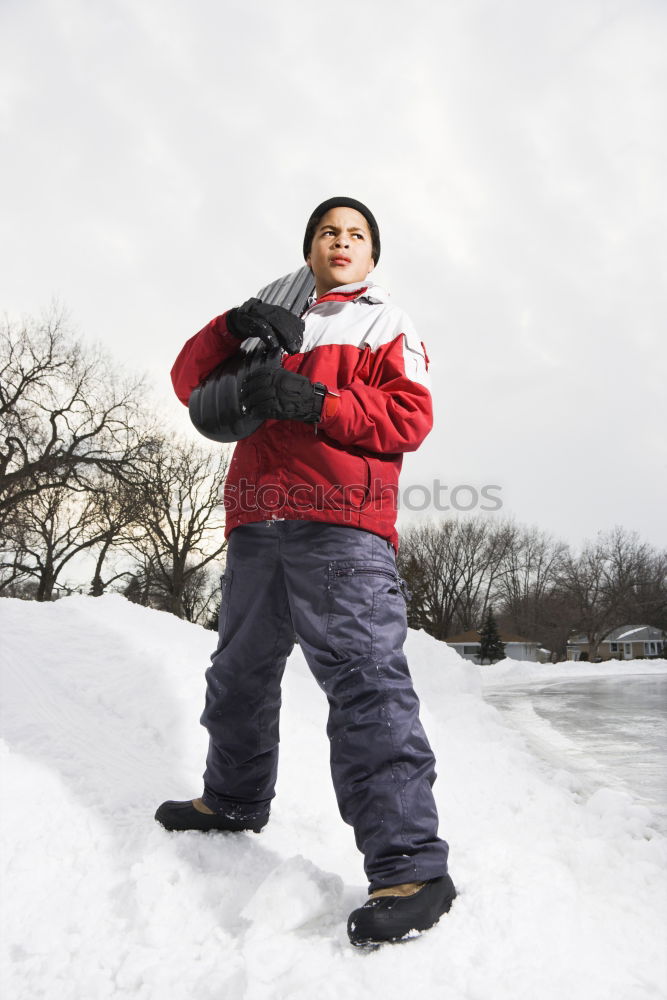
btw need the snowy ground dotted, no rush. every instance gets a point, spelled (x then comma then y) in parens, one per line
(562, 894)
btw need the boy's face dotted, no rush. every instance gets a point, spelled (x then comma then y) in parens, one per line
(342, 249)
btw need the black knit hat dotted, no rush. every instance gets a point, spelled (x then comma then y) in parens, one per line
(322, 210)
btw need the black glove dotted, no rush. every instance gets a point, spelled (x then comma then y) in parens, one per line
(276, 394)
(276, 326)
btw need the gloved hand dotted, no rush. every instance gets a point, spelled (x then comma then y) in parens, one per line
(276, 326)
(276, 394)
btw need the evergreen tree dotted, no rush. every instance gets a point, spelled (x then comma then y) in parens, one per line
(491, 648)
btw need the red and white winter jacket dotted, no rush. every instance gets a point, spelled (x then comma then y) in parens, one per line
(344, 469)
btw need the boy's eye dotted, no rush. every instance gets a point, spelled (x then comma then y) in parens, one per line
(330, 232)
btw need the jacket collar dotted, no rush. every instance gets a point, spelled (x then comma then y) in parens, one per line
(356, 290)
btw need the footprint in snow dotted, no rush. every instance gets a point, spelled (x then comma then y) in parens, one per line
(293, 894)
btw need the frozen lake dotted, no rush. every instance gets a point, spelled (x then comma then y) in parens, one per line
(610, 730)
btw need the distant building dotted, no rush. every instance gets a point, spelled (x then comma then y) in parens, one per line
(467, 645)
(627, 642)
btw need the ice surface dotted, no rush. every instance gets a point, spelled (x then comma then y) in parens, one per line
(562, 888)
(611, 729)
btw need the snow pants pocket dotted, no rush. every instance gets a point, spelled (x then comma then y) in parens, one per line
(367, 615)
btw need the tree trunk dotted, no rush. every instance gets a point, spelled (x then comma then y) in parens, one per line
(177, 589)
(97, 585)
(47, 582)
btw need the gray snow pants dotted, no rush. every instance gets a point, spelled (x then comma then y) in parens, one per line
(338, 590)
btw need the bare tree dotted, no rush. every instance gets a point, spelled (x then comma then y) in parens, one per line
(116, 506)
(649, 598)
(431, 577)
(637, 577)
(530, 568)
(451, 567)
(180, 528)
(14, 581)
(481, 550)
(553, 624)
(142, 586)
(603, 582)
(201, 595)
(64, 414)
(48, 530)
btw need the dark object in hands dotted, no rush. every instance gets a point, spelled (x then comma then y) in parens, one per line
(215, 407)
(277, 394)
(275, 326)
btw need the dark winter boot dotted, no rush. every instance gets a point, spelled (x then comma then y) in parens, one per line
(194, 815)
(396, 912)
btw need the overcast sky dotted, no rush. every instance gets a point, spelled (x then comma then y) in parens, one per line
(160, 159)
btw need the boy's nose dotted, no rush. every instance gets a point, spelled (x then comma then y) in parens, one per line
(342, 241)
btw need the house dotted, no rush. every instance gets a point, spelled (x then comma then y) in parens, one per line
(467, 645)
(627, 642)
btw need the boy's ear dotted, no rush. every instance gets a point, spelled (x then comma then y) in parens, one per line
(371, 268)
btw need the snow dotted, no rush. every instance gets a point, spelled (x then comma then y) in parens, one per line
(518, 671)
(631, 631)
(562, 893)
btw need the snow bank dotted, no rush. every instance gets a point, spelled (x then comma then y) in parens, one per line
(560, 895)
(519, 671)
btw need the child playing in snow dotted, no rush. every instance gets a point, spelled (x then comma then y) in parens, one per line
(311, 512)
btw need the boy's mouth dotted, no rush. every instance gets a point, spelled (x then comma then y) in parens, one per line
(340, 260)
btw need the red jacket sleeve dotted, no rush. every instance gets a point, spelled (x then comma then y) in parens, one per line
(201, 354)
(392, 411)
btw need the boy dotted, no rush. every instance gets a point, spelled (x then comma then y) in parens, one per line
(311, 511)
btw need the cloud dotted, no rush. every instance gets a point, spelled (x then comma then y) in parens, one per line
(160, 161)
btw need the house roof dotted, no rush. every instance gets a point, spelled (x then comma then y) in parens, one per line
(472, 637)
(464, 637)
(634, 633)
(624, 633)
